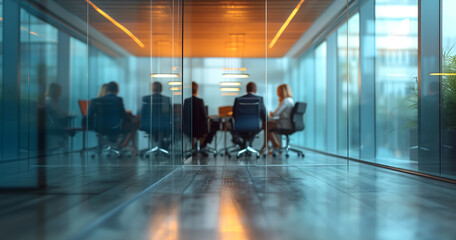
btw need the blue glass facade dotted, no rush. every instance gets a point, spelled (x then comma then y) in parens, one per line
(368, 79)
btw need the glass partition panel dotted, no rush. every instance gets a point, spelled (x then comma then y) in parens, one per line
(348, 89)
(320, 97)
(224, 50)
(396, 64)
(448, 89)
(307, 52)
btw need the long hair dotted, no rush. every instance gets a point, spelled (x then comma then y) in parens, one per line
(284, 91)
(103, 90)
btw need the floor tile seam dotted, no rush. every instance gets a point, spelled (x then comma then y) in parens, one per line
(323, 180)
(351, 195)
(127, 180)
(387, 171)
(190, 183)
(24, 205)
(257, 194)
(109, 214)
(408, 176)
(304, 165)
(272, 169)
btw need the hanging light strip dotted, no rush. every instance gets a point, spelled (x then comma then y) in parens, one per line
(285, 24)
(230, 94)
(175, 83)
(175, 88)
(230, 84)
(228, 89)
(443, 74)
(235, 69)
(164, 75)
(117, 24)
(235, 75)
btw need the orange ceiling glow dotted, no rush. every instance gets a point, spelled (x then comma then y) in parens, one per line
(204, 28)
(285, 25)
(117, 24)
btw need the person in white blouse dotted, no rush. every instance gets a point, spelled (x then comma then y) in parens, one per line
(281, 117)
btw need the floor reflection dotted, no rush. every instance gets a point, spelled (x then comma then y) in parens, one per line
(231, 226)
(165, 225)
(132, 199)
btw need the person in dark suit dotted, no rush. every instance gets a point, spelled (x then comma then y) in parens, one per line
(251, 88)
(198, 113)
(111, 97)
(160, 114)
(157, 96)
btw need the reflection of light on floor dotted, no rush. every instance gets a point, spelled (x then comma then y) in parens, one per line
(165, 226)
(230, 222)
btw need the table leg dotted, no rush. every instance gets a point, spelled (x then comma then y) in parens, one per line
(224, 132)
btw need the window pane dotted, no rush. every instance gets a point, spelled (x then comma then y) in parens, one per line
(352, 84)
(320, 97)
(448, 89)
(396, 73)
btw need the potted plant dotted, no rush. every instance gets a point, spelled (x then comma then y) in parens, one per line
(448, 109)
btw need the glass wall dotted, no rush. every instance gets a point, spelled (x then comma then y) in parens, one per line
(320, 97)
(82, 91)
(447, 89)
(394, 86)
(348, 88)
(396, 58)
(378, 82)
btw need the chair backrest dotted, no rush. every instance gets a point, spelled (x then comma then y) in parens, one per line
(247, 115)
(155, 116)
(83, 106)
(225, 110)
(297, 116)
(108, 118)
(187, 120)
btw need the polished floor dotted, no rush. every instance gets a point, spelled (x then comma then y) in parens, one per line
(313, 198)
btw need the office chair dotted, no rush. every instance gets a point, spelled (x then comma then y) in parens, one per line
(297, 125)
(108, 125)
(193, 130)
(156, 123)
(247, 123)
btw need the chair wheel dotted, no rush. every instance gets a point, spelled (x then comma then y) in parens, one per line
(274, 155)
(258, 156)
(287, 155)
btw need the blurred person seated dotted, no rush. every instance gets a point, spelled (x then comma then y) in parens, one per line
(59, 116)
(279, 118)
(110, 105)
(156, 118)
(198, 129)
(57, 120)
(251, 89)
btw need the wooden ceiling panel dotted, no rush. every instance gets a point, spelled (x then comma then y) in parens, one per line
(208, 25)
